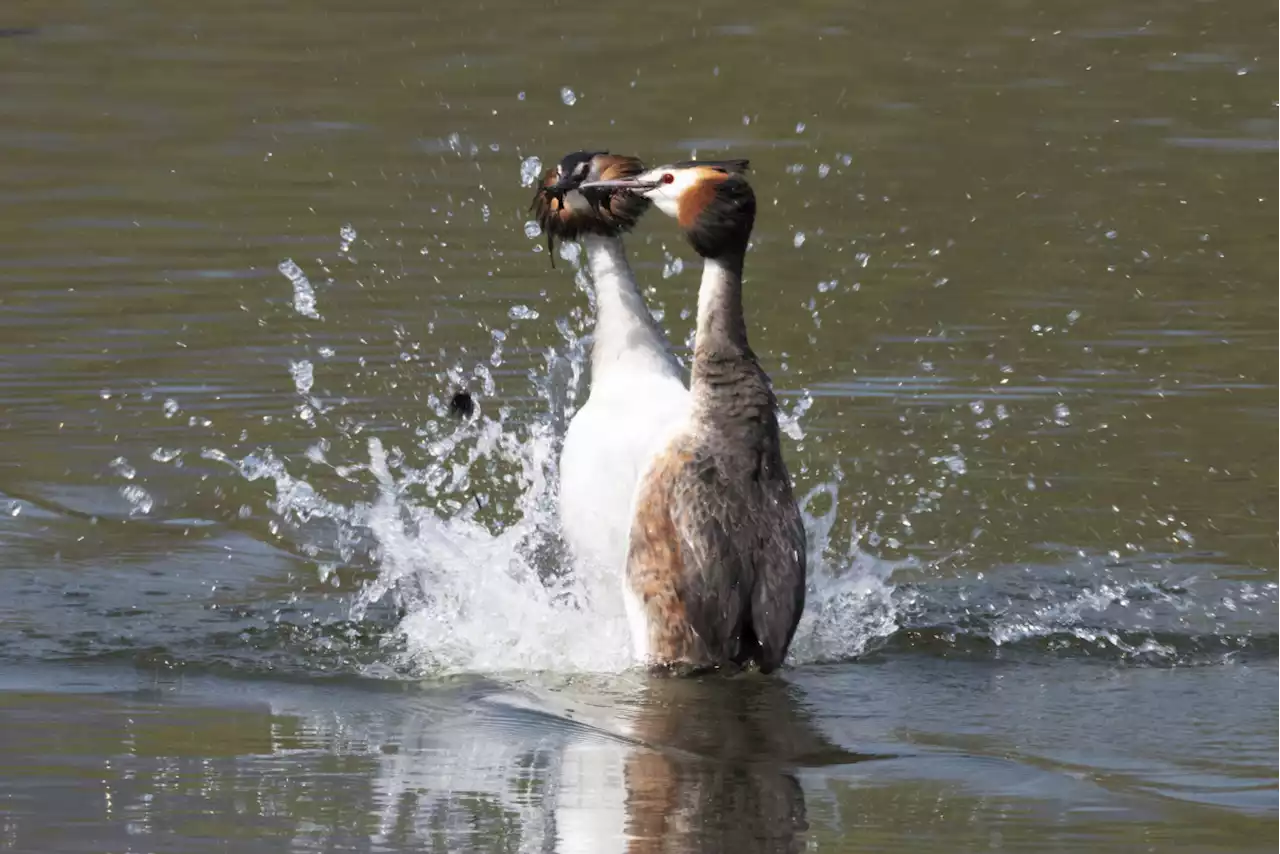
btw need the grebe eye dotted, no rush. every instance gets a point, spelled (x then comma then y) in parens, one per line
(668, 178)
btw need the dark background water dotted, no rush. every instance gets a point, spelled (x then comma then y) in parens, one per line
(1014, 270)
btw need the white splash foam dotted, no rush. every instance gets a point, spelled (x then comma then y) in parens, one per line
(466, 548)
(849, 601)
(476, 601)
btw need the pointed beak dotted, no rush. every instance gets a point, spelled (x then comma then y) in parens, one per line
(637, 185)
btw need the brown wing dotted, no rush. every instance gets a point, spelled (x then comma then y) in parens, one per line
(683, 563)
(777, 597)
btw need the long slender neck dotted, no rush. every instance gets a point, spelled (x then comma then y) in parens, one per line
(627, 338)
(729, 387)
(722, 330)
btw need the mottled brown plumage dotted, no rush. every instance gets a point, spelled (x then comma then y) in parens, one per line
(655, 562)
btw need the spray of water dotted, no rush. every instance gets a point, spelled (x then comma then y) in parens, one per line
(472, 593)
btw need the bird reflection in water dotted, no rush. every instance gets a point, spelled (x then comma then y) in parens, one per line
(714, 766)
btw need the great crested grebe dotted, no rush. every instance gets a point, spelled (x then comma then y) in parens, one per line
(637, 388)
(715, 570)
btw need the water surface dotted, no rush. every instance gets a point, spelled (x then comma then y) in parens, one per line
(1013, 277)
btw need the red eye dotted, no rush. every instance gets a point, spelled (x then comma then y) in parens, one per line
(668, 178)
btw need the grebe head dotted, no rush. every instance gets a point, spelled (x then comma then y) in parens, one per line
(567, 212)
(710, 199)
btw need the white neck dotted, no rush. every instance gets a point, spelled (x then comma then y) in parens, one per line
(627, 338)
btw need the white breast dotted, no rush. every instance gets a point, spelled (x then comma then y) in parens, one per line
(637, 396)
(608, 446)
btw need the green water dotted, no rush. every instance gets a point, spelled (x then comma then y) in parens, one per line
(1013, 272)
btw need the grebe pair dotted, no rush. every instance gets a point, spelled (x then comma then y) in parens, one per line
(685, 489)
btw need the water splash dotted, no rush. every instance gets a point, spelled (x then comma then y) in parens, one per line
(347, 236)
(303, 375)
(530, 172)
(460, 529)
(304, 296)
(139, 499)
(475, 599)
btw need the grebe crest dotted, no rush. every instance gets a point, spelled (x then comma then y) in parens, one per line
(566, 212)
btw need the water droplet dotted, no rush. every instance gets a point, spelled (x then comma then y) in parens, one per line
(303, 376)
(522, 312)
(800, 127)
(571, 252)
(121, 467)
(672, 267)
(171, 407)
(165, 455)
(326, 352)
(790, 421)
(823, 170)
(530, 171)
(139, 498)
(304, 297)
(1073, 316)
(1060, 414)
(799, 239)
(520, 96)
(532, 230)
(348, 235)
(825, 287)
(567, 96)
